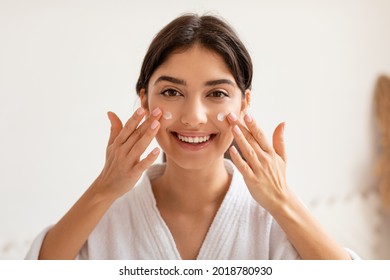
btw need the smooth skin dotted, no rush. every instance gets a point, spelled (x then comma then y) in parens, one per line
(194, 85)
(264, 172)
(192, 188)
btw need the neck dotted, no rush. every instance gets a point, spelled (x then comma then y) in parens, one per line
(190, 190)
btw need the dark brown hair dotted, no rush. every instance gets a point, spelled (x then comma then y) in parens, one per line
(209, 31)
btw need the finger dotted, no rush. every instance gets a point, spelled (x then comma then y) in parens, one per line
(147, 161)
(257, 133)
(131, 125)
(116, 126)
(248, 135)
(278, 141)
(141, 144)
(239, 162)
(233, 120)
(246, 149)
(141, 130)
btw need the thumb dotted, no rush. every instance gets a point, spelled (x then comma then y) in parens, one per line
(116, 126)
(278, 141)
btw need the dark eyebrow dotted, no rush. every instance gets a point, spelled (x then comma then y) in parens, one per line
(219, 82)
(170, 79)
(182, 82)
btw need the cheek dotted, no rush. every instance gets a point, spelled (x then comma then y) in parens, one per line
(168, 109)
(169, 114)
(221, 113)
(221, 116)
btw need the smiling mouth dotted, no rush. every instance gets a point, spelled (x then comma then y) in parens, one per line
(194, 139)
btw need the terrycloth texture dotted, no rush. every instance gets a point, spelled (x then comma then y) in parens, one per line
(133, 228)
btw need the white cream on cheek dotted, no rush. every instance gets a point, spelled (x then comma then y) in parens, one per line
(221, 117)
(167, 115)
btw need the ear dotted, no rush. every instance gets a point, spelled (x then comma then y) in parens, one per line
(144, 99)
(245, 102)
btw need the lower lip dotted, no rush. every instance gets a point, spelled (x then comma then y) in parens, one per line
(193, 147)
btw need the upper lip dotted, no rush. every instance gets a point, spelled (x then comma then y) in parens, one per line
(193, 133)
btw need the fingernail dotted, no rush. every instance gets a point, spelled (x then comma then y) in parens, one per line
(154, 124)
(237, 129)
(140, 111)
(234, 150)
(156, 112)
(155, 151)
(232, 117)
(248, 118)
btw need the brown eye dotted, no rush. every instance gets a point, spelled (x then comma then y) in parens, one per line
(170, 93)
(218, 94)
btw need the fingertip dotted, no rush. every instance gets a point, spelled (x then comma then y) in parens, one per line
(232, 117)
(140, 111)
(145, 163)
(155, 151)
(109, 115)
(281, 129)
(156, 112)
(154, 124)
(233, 150)
(248, 118)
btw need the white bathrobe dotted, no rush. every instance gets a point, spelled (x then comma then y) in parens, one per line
(133, 228)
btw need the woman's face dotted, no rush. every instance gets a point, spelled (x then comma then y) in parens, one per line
(195, 90)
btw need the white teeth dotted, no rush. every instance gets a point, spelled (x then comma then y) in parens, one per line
(195, 140)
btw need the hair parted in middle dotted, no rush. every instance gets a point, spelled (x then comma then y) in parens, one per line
(210, 32)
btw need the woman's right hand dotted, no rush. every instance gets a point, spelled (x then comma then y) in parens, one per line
(123, 166)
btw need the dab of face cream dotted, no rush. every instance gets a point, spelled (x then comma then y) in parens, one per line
(221, 117)
(167, 115)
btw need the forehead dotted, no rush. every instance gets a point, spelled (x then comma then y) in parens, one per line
(195, 63)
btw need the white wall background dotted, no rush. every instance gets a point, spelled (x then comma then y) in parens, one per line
(64, 64)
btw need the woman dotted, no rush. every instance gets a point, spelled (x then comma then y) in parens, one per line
(194, 87)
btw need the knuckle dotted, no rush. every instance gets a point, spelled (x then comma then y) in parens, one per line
(252, 153)
(141, 166)
(244, 167)
(118, 154)
(136, 133)
(247, 135)
(257, 133)
(241, 165)
(128, 125)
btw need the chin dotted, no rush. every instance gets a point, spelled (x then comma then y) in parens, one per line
(194, 162)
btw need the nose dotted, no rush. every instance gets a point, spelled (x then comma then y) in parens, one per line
(194, 113)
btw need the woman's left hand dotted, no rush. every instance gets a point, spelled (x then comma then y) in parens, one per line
(264, 167)
(264, 172)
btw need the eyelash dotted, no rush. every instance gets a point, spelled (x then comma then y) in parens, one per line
(220, 93)
(168, 92)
